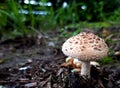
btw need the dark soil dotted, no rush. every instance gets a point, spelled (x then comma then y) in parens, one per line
(25, 64)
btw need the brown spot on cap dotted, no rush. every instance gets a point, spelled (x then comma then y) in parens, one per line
(98, 39)
(70, 41)
(76, 42)
(91, 41)
(96, 48)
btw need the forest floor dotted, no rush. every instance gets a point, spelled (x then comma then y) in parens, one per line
(30, 63)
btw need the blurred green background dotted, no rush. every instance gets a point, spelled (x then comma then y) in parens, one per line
(31, 18)
(28, 17)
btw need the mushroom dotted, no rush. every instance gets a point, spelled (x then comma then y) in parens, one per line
(72, 62)
(86, 47)
(76, 64)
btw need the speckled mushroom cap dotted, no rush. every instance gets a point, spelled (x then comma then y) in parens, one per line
(85, 46)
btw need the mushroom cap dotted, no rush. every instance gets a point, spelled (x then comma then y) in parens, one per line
(85, 46)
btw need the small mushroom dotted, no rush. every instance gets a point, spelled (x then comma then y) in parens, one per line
(72, 62)
(76, 64)
(86, 47)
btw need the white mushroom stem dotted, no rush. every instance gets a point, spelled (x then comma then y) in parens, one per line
(85, 70)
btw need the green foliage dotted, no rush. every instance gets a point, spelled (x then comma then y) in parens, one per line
(107, 60)
(13, 24)
(67, 15)
(115, 17)
(97, 10)
(77, 28)
(42, 22)
(47, 22)
(66, 33)
(94, 25)
(93, 11)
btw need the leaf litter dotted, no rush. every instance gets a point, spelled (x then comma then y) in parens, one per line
(26, 65)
